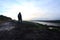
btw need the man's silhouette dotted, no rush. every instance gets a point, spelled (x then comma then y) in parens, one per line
(19, 17)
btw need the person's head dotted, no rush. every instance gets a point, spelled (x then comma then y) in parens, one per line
(19, 12)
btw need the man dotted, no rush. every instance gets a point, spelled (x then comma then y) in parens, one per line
(19, 17)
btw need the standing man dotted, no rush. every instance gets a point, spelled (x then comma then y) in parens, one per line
(19, 17)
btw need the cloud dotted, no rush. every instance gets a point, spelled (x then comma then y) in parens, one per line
(31, 9)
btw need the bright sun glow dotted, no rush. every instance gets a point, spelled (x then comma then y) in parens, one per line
(28, 12)
(31, 9)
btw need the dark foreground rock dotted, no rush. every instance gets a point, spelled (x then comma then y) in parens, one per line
(14, 30)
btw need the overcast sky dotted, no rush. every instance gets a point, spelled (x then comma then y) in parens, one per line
(31, 9)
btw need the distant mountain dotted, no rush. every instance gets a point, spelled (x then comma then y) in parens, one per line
(54, 21)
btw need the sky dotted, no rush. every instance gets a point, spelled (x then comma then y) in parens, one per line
(31, 9)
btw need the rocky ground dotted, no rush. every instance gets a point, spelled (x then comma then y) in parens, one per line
(14, 30)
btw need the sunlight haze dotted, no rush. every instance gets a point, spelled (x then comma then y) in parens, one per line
(31, 9)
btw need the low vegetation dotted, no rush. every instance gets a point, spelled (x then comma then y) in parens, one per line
(30, 31)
